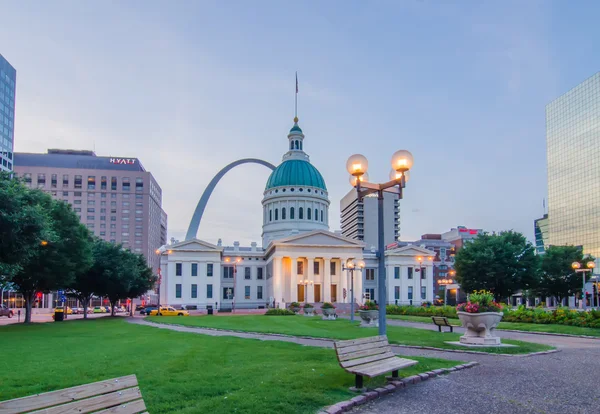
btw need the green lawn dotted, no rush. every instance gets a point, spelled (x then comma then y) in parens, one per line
(338, 329)
(530, 327)
(178, 372)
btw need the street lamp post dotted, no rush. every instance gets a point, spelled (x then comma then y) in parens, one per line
(420, 260)
(357, 166)
(589, 268)
(160, 252)
(351, 266)
(235, 263)
(306, 283)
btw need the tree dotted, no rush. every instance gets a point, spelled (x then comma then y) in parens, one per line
(86, 283)
(55, 262)
(501, 263)
(557, 277)
(24, 224)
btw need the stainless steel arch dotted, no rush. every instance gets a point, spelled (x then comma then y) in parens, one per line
(197, 217)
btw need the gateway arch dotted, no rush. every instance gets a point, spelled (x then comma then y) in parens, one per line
(197, 217)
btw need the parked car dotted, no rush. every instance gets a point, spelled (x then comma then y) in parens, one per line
(169, 311)
(6, 311)
(77, 311)
(147, 310)
(99, 309)
(62, 309)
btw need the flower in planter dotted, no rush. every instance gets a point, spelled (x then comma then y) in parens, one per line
(327, 305)
(308, 306)
(479, 302)
(369, 305)
(294, 305)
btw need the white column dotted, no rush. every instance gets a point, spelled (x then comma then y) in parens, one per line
(310, 298)
(326, 280)
(294, 280)
(277, 280)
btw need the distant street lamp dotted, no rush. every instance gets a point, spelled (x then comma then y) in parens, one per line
(421, 268)
(357, 165)
(306, 283)
(351, 266)
(589, 268)
(445, 283)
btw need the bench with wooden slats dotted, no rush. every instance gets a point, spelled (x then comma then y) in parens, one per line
(442, 321)
(369, 357)
(116, 396)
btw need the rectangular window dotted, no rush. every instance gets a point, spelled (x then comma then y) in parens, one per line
(208, 291)
(90, 218)
(396, 272)
(91, 182)
(77, 202)
(103, 183)
(300, 268)
(54, 181)
(139, 184)
(370, 294)
(410, 272)
(424, 273)
(113, 183)
(194, 269)
(228, 272)
(77, 193)
(65, 180)
(259, 273)
(410, 293)
(397, 292)
(259, 292)
(370, 275)
(91, 210)
(178, 290)
(125, 184)
(247, 273)
(228, 293)
(41, 180)
(178, 269)
(332, 268)
(65, 193)
(423, 292)
(246, 292)
(78, 181)
(103, 233)
(194, 291)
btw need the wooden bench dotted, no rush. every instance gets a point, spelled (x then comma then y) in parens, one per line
(369, 357)
(118, 395)
(442, 321)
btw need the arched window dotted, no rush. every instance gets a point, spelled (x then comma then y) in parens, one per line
(276, 214)
(296, 144)
(291, 145)
(300, 144)
(308, 213)
(270, 215)
(300, 213)
(316, 215)
(321, 215)
(283, 213)
(291, 213)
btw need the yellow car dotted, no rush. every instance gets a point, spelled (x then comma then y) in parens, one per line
(169, 311)
(61, 309)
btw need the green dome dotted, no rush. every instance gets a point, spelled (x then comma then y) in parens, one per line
(295, 128)
(296, 172)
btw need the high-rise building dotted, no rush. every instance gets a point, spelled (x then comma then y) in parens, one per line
(8, 81)
(540, 227)
(572, 136)
(359, 219)
(116, 198)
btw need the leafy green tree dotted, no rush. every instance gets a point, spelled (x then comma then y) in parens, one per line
(24, 224)
(86, 283)
(501, 263)
(558, 278)
(55, 262)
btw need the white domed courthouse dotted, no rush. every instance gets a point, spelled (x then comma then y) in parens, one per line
(300, 260)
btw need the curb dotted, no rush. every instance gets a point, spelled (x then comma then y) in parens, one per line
(331, 341)
(344, 406)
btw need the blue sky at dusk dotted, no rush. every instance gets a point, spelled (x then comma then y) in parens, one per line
(190, 86)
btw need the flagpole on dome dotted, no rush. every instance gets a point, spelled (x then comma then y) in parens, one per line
(296, 102)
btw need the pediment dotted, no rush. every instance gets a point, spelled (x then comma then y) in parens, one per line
(410, 250)
(194, 245)
(318, 238)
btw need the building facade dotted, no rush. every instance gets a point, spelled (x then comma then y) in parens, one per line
(541, 228)
(359, 219)
(8, 84)
(300, 259)
(573, 154)
(116, 198)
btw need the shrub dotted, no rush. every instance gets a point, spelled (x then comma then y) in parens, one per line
(280, 312)
(447, 311)
(327, 305)
(369, 305)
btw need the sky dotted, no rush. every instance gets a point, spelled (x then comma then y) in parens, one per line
(190, 86)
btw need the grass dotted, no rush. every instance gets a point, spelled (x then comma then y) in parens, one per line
(519, 326)
(178, 372)
(338, 329)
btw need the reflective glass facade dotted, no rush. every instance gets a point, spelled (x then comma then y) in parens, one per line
(573, 138)
(8, 79)
(541, 227)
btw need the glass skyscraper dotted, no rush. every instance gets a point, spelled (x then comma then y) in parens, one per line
(8, 80)
(573, 151)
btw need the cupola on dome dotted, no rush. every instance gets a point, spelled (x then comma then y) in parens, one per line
(296, 172)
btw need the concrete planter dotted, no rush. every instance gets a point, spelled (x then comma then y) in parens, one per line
(370, 318)
(295, 310)
(309, 311)
(329, 314)
(480, 327)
